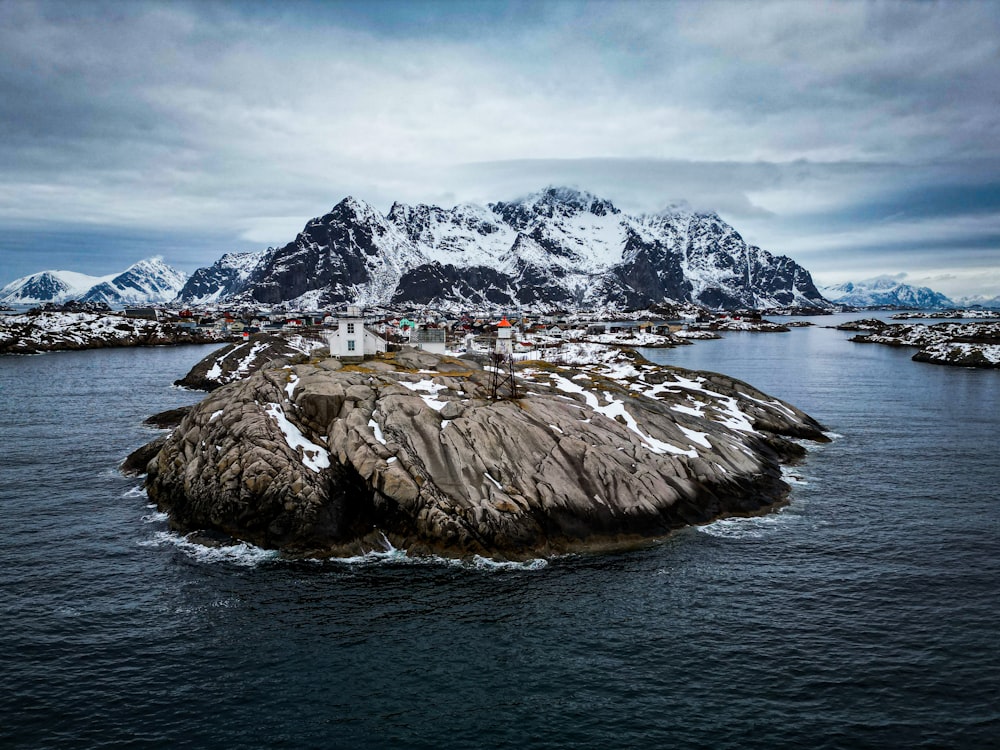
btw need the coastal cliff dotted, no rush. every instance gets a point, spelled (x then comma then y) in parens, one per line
(409, 451)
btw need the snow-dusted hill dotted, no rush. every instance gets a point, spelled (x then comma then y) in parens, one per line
(146, 282)
(884, 291)
(557, 248)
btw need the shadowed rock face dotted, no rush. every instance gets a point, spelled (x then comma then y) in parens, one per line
(311, 459)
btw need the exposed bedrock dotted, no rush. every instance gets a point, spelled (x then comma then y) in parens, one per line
(313, 459)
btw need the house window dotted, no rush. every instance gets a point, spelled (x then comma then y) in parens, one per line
(350, 345)
(350, 329)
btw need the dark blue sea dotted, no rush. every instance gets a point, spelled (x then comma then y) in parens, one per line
(866, 613)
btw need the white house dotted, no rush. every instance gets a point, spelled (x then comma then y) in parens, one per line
(351, 339)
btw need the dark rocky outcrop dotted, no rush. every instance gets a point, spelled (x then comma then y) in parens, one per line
(135, 464)
(408, 451)
(166, 420)
(430, 282)
(238, 360)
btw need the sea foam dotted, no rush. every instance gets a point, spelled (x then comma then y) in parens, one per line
(241, 553)
(753, 527)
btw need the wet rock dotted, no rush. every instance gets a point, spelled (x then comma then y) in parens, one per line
(136, 462)
(168, 419)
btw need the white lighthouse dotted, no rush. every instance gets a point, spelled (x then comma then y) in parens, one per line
(505, 341)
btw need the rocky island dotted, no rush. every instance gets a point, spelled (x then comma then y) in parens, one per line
(325, 458)
(956, 344)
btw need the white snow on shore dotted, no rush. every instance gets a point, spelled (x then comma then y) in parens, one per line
(427, 390)
(377, 430)
(314, 457)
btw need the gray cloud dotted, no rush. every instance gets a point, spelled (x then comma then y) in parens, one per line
(809, 126)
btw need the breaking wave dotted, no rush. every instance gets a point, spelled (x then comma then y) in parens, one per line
(393, 556)
(753, 527)
(242, 554)
(249, 555)
(793, 476)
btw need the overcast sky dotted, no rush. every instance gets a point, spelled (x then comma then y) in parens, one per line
(859, 139)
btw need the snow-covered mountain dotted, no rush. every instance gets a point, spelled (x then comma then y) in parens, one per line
(989, 303)
(885, 291)
(224, 278)
(557, 248)
(147, 282)
(48, 286)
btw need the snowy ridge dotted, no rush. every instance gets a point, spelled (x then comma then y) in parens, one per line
(884, 291)
(227, 276)
(557, 248)
(147, 282)
(49, 286)
(989, 303)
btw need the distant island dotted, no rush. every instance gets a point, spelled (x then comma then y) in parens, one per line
(955, 344)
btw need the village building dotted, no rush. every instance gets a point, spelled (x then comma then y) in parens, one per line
(142, 313)
(428, 339)
(352, 340)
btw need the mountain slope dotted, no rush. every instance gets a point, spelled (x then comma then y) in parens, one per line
(990, 303)
(49, 286)
(146, 282)
(224, 278)
(557, 248)
(885, 291)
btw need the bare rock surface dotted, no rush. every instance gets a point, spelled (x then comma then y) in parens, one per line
(240, 359)
(321, 459)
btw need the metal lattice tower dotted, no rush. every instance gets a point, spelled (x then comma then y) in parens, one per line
(502, 382)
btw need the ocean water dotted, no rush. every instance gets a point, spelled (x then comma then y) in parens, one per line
(866, 613)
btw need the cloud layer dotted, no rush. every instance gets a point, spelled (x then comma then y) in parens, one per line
(857, 138)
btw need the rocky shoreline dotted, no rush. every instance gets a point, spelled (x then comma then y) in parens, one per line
(323, 458)
(238, 360)
(45, 331)
(955, 344)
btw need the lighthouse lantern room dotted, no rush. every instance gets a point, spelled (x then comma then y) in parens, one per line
(505, 342)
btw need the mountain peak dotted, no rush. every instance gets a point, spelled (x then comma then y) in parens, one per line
(148, 281)
(569, 198)
(676, 208)
(885, 290)
(558, 248)
(355, 206)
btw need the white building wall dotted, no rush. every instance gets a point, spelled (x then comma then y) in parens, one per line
(352, 339)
